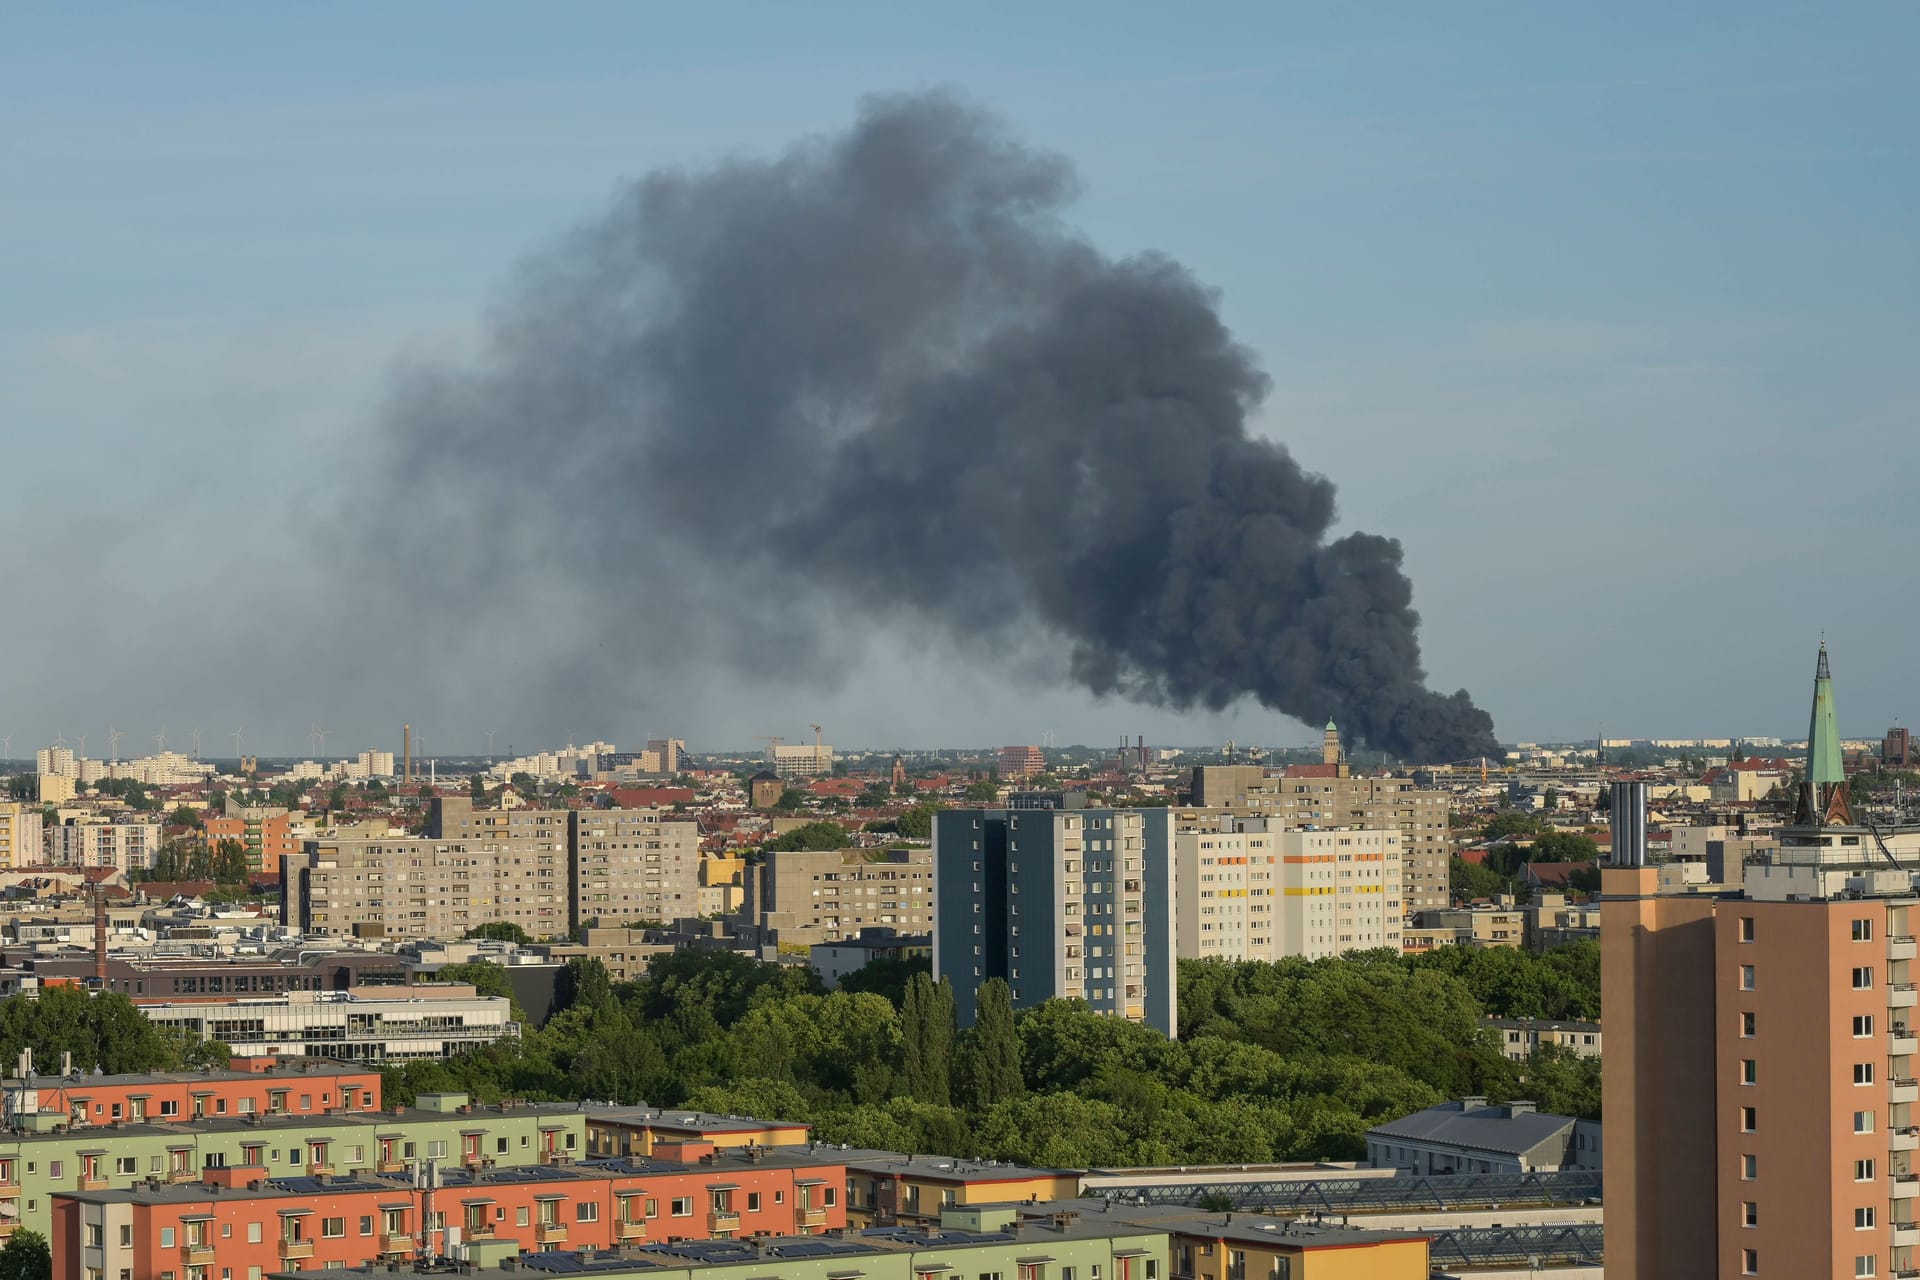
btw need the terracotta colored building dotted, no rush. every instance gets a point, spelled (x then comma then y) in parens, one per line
(236, 1223)
(258, 1086)
(267, 834)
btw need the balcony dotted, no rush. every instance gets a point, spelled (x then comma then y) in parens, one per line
(624, 1230)
(316, 1169)
(723, 1220)
(812, 1217)
(398, 1242)
(1903, 1139)
(1906, 1186)
(1906, 1233)
(98, 1182)
(1901, 947)
(1899, 1091)
(290, 1249)
(1900, 995)
(183, 1175)
(550, 1233)
(1903, 1039)
(390, 1166)
(199, 1255)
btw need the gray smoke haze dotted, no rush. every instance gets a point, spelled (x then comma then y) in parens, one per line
(876, 382)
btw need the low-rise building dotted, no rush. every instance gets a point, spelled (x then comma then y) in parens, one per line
(1519, 1037)
(835, 960)
(800, 897)
(364, 1024)
(1469, 1136)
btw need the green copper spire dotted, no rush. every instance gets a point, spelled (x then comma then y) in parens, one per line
(1823, 734)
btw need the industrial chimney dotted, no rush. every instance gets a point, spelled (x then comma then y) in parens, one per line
(406, 753)
(100, 935)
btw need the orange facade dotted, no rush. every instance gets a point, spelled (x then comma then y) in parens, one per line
(264, 1087)
(250, 1226)
(268, 840)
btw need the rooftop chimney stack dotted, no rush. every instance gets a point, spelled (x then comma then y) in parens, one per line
(1628, 815)
(406, 753)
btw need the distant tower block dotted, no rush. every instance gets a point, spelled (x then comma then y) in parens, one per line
(1330, 752)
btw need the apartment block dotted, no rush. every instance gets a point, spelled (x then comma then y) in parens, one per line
(21, 841)
(1760, 1075)
(1249, 889)
(389, 887)
(1059, 903)
(1330, 795)
(269, 836)
(1021, 762)
(803, 897)
(633, 864)
(129, 846)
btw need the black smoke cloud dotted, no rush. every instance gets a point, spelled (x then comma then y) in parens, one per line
(878, 379)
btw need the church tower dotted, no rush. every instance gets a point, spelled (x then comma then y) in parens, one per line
(1330, 751)
(1824, 799)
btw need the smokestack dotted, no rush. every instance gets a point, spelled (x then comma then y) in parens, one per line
(100, 935)
(406, 753)
(819, 369)
(1628, 819)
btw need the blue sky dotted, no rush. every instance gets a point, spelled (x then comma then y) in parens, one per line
(1607, 313)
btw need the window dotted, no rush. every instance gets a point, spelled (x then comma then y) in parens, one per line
(1749, 1214)
(1863, 978)
(1863, 1219)
(366, 1224)
(682, 1206)
(753, 1202)
(586, 1211)
(1749, 1262)
(166, 1237)
(829, 1197)
(333, 1228)
(96, 1236)
(1862, 1026)
(127, 1164)
(1749, 1168)
(253, 1233)
(1749, 1071)
(126, 1236)
(1863, 931)
(1865, 1264)
(1748, 1117)
(1863, 1171)
(1746, 977)
(1746, 1026)
(1863, 1122)
(1863, 1073)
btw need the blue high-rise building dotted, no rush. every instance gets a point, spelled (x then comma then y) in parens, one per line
(1059, 903)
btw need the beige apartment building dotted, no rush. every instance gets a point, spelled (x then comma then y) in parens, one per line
(545, 870)
(1248, 889)
(1330, 795)
(20, 838)
(801, 897)
(129, 846)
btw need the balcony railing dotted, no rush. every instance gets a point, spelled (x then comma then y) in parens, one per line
(723, 1220)
(626, 1230)
(550, 1232)
(296, 1248)
(199, 1255)
(398, 1242)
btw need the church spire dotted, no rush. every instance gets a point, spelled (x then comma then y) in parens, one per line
(1824, 762)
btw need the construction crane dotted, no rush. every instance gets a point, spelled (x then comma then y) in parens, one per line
(772, 740)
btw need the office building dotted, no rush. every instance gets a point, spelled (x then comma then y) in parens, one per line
(367, 1024)
(799, 897)
(1329, 794)
(1059, 903)
(1759, 1075)
(21, 842)
(666, 753)
(1248, 889)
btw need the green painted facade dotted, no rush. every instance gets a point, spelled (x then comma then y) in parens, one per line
(41, 1164)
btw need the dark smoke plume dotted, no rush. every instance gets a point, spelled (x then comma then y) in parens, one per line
(879, 371)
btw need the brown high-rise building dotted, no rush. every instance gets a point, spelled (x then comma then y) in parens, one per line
(1759, 1074)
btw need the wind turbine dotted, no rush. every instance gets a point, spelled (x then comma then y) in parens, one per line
(196, 744)
(160, 738)
(6, 746)
(113, 744)
(82, 751)
(236, 742)
(490, 734)
(322, 735)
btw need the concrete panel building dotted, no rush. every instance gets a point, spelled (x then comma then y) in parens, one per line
(1248, 889)
(1059, 903)
(803, 897)
(21, 841)
(129, 846)
(633, 864)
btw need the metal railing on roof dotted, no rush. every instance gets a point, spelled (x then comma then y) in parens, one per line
(1517, 1246)
(1357, 1195)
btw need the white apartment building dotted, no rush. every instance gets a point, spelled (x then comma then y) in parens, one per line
(130, 846)
(800, 759)
(1247, 889)
(20, 838)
